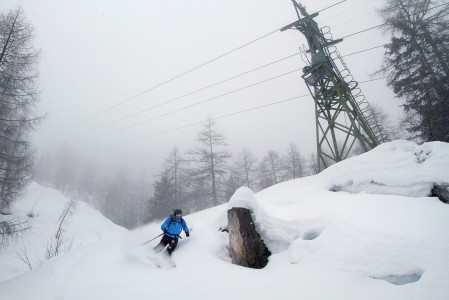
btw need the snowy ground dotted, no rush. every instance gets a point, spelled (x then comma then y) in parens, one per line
(362, 229)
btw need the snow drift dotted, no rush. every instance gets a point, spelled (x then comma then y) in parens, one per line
(364, 228)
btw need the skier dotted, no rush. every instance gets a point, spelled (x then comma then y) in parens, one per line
(172, 228)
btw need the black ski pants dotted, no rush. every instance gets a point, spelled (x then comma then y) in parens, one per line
(166, 240)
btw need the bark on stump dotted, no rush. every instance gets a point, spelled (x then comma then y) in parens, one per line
(246, 245)
(442, 192)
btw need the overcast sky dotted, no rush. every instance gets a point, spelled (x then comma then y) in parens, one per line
(104, 53)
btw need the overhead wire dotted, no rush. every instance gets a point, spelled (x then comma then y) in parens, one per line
(170, 80)
(332, 5)
(371, 28)
(194, 92)
(258, 107)
(202, 89)
(348, 10)
(224, 116)
(206, 63)
(216, 118)
(240, 88)
(364, 50)
(361, 31)
(209, 99)
(185, 73)
(196, 104)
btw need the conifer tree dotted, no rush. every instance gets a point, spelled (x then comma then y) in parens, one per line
(417, 64)
(18, 96)
(210, 162)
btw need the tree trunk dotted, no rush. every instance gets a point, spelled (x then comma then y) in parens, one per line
(442, 192)
(246, 245)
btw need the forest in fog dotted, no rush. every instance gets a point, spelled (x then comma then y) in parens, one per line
(192, 180)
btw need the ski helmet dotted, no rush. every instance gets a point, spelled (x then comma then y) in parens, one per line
(177, 211)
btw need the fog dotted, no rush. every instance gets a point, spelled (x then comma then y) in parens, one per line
(104, 65)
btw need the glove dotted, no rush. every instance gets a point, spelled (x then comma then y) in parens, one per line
(165, 230)
(187, 234)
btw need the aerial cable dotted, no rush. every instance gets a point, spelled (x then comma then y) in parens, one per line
(370, 80)
(323, 9)
(364, 30)
(191, 93)
(144, 121)
(361, 31)
(364, 50)
(222, 117)
(204, 88)
(347, 11)
(198, 103)
(201, 122)
(185, 73)
(174, 78)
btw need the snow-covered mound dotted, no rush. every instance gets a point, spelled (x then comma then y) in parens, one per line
(396, 168)
(43, 209)
(363, 229)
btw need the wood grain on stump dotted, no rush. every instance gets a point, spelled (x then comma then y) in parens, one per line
(246, 245)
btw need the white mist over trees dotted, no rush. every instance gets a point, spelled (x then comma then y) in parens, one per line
(192, 180)
(18, 97)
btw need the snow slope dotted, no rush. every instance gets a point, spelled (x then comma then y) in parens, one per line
(43, 207)
(362, 229)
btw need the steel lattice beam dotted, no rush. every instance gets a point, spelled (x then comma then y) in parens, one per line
(340, 123)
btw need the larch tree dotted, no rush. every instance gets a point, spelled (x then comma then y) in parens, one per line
(175, 168)
(246, 164)
(233, 182)
(118, 200)
(313, 164)
(273, 161)
(264, 175)
(293, 162)
(417, 64)
(210, 161)
(18, 97)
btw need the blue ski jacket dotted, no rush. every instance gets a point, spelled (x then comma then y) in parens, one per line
(174, 226)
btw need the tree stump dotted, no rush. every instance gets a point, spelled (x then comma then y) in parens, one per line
(246, 245)
(442, 192)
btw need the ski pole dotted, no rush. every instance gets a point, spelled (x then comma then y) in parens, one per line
(152, 239)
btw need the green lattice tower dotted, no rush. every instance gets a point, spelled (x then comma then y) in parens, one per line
(343, 117)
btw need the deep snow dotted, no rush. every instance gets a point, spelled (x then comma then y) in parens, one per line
(364, 228)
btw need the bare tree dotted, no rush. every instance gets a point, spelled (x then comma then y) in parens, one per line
(313, 164)
(22, 255)
(293, 162)
(264, 175)
(210, 161)
(274, 163)
(176, 170)
(118, 201)
(59, 242)
(233, 182)
(246, 164)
